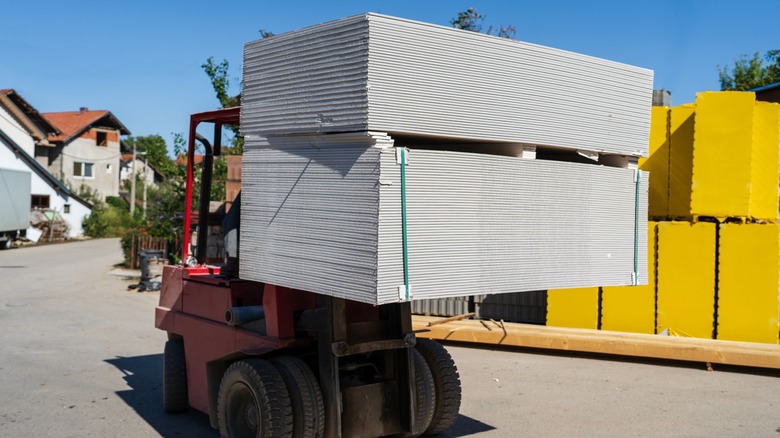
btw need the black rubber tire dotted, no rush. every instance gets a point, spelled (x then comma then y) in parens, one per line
(308, 408)
(253, 402)
(447, 382)
(174, 377)
(425, 401)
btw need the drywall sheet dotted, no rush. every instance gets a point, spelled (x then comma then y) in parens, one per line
(681, 123)
(632, 308)
(686, 278)
(325, 214)
(574, 308)
(444, 306)
(657, 163)
(764, 166)
(525, 307)
(722, 154)
(748, 282)
(375, 72)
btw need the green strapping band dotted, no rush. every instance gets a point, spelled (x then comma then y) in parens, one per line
(403, 222)
(636, 228)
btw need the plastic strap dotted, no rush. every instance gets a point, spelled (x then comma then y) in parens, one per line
(404, 236)
(637, 184)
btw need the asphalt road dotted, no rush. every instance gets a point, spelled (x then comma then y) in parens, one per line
(79, 356)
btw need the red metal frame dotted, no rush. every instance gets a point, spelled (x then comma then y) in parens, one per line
(194, 300)
(227, 116)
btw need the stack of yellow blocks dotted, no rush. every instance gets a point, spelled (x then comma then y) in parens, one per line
(715, 248)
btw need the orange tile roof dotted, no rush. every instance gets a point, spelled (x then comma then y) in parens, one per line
(181, 159)
(72, 123)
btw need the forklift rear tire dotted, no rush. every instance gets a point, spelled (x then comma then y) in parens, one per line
(447, 382)
(253, 401)
(425, 402)
(174, 377)
(308, 408)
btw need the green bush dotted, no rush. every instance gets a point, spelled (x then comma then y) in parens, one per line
(117, 202)
(107, 221)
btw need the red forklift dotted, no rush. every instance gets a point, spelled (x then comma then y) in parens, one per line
(268, 361)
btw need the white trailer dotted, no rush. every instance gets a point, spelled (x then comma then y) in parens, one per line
(14, 205)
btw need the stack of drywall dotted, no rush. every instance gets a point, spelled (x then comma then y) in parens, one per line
(324, 214)
(450, 306)
(344, 215)
(525, 307)
(380, 73)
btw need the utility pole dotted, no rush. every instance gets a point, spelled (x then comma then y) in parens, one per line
(146, 183)
(132, 185)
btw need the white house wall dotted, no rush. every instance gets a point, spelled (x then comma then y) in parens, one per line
(127, 171)
(39, 186)
(78, 212)
(13, 129)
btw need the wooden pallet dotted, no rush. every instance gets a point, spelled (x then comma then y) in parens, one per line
(593, 341)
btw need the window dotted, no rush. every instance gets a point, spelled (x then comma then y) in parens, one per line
(101, 138)
(109, 168)
(40, 201)
(66, 208)
(83, 170)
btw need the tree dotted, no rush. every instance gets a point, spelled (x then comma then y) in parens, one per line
(156, 152)
(219, 75)
(471, 20)
(748, 73)
(220, 81)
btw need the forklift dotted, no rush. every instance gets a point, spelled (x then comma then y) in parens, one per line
(268, 361)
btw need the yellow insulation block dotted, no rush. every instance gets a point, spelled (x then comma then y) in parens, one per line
(574, 308)
(686, 278)
(748, 263)
(632, 308)
(657, 163)
(764, 176)
(681, 120)
(722, 154)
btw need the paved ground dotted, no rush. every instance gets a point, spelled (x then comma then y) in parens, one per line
(79, 356)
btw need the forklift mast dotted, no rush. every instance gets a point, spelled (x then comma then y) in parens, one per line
(265, 360)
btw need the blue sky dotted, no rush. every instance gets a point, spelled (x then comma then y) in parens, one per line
(141, 59)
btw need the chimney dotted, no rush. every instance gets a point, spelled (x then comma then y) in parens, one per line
(83, 109)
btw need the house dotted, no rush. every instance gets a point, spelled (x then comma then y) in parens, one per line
(23, 131)
(151, 176)
(768, 93)
(181, 159)
(86, 152)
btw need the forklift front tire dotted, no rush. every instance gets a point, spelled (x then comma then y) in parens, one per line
(253, 401)
(305, 396)
(174, 377)
(447, 381)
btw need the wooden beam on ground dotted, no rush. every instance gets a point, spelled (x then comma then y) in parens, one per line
(450, 319)
(605, 342)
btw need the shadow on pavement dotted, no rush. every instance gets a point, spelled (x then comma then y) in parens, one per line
(143, 375)
(465, 426)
